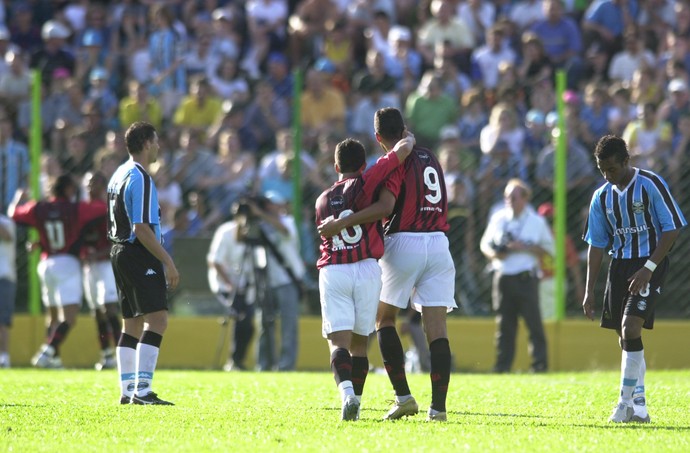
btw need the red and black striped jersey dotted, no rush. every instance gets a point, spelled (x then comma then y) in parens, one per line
(59, 222)
(419, 188)
(342, 199)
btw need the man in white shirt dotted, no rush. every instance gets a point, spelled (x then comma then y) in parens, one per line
(515, 240)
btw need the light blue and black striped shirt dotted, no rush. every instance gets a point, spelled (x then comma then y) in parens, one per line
(630, 221)
(132, 198)
(14, 171)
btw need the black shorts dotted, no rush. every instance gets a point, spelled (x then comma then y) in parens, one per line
(618, 301)
(140, 280)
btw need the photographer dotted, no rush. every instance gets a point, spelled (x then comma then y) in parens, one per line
(515, 240)
(285, 271)
(231, 276)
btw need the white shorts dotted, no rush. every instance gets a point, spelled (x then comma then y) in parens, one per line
(60, 277)
(350, 296)
(418, 267)
(99, 284)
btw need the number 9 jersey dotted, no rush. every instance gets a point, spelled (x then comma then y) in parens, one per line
(342, 199)
(419, 188)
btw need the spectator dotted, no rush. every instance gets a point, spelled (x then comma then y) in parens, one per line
(285, 272)
(166, 51)
(266, 115)
(227, 81)
(403, 62)
(15, 84)
(606, 20)
(515, 240)
(24, 32)
(524, 13)
(8, 285)
(199, 108)
(649, 140)
(15, 172)
(562, 40)
(192, 161)
(323, 107)
(279, 76)
(487, 58)
(504, 126)
(266, 20)
(231, 176)
(632, 58)
(53, 54)
(429, 109)
(139, 106)
(479, 15)
(445, 27)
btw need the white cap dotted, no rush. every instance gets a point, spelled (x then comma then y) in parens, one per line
(677, 85)
(275, 197)
(449, 132)
(54, 29)
(399, 33)
(222, 13)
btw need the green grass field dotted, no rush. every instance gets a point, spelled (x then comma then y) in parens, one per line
(78, 411)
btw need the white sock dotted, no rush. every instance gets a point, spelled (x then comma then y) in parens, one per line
(147, 356)
(126, 368)
(345, 389)
(401, 399)
(630, 371)
(639, 388)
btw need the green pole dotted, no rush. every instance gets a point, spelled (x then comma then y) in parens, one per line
(297, 147)
(35, 149)
(560, 198)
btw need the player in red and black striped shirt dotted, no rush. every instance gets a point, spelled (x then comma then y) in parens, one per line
(60, 222)
(416, 265)
(349, 276)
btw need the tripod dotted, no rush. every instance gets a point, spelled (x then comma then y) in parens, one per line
(252, 282)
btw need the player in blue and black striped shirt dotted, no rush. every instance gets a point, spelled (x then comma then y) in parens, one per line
(636, 218)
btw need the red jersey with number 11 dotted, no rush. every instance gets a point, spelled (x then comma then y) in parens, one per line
(59, 223)
(344, 198)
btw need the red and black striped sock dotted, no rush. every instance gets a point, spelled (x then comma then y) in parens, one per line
(393, 359)
(341, 364)
(360, 370)
(59, 336)
(439, 350)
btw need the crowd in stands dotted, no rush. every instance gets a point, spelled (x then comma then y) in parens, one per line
(474, 78)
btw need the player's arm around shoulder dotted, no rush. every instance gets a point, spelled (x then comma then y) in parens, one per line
(404, 147)
(148, 238)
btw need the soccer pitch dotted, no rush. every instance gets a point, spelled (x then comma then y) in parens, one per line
(78, 411)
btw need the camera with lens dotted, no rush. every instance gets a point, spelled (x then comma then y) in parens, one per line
(250, 231)
(501, 246)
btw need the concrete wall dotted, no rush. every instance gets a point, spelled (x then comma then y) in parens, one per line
(192, 342)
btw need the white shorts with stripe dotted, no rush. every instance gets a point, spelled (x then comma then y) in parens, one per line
(61, 281)
(99, 283)
(350, 296)
(418, 267)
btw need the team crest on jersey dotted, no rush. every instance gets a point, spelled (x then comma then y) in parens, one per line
(638, 207)
(337, 202)
(642, 305)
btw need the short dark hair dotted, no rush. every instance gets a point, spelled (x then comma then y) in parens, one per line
(389, 123)
(350, 155)
(611, 146)
(62, 184)
(137, 135)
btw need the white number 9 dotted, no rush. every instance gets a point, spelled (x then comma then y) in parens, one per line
(431, 180)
